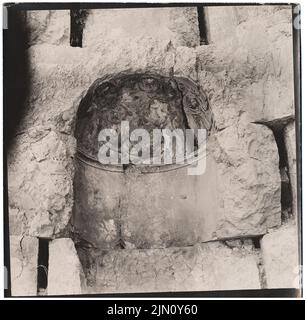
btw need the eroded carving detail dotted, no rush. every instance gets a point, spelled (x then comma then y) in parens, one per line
(147, 101)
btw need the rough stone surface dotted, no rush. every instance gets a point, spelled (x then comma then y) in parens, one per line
(40, 187)
(280, 253)
(23, 259)
(210, 266)
(65, 270)
(250, 72)
(248, 180)
(150, 26)
(290, 143)
(47, 26)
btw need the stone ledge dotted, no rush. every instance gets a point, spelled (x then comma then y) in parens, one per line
(203, 267)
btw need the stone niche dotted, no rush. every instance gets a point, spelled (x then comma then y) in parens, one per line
(142, 206)
(155, 206)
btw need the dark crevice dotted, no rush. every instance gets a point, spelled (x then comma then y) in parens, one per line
(78, 20)
(202, 25)
(256, 242)
(278, 128)
(286, 193)
(42, 265)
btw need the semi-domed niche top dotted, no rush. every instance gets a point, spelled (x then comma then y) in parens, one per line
(146, 101)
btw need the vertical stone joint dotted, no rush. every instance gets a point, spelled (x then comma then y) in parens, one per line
(78, 19)
(42, 266)
(202, 25)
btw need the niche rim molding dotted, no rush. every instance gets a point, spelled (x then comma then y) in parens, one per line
(181, 94)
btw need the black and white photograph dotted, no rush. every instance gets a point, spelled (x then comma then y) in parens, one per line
(151, 148)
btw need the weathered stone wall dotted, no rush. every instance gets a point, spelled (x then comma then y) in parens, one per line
(245, 70)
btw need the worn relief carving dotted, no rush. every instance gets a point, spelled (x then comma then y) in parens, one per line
(147, 101)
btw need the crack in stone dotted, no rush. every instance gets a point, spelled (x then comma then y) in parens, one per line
(23, 257)
(261, 269)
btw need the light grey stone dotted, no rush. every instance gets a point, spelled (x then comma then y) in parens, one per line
(280, 252)
(23, 261)
(147, 27)
(221, 23)
(47, 26)
(65, 270)
(250, 72)
(40, 179)
(210, 266)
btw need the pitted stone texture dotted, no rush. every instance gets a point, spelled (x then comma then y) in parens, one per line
(185, 63)
(65, 271)
(290, 143)
(147, 26)
(62, 75)
(210, 266)
(23, 259)
(249, 180)
(280, 253)
(48, 26)
(264, 12)
(250, 72)
(40, 178)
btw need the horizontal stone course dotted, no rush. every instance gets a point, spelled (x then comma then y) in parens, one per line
(210, 266)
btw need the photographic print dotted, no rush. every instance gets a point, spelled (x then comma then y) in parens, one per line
(152, 148)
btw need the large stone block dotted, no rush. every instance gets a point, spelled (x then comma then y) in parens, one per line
(248, 179)
(40, 182)
(250, 72)
(47, 26)
(280, 252)
(65, 271)
(147, 26)
(23, 259)
(61, 75)
(221, 23)
(210, 266)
